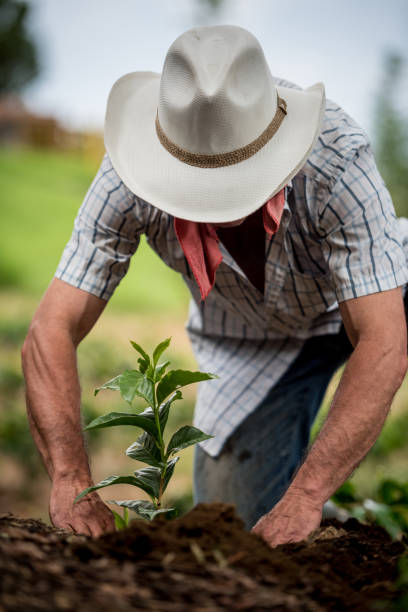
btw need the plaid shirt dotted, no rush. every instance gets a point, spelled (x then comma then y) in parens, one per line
(339, 238)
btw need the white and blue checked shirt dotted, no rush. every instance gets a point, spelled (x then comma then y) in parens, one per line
(339, 238)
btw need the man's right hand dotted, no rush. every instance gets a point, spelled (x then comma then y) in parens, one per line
(65, 316)
(89, 516)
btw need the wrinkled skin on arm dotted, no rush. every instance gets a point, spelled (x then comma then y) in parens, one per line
(377, 328)
(64, 317)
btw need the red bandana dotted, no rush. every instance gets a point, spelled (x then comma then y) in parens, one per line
(199, 242)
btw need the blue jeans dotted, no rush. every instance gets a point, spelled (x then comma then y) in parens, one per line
(258, 461)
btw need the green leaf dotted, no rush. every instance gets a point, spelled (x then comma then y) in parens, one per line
(400, 513)
(169, 472)
(383, 515)
(165, 407)
(134, 383)
(160, 370)
(145, 389)
(113, 419)
(392, 492)
(130, 384)
(359, 513)
(402, 580)
(143, 366)
(112, 384)
(346, 494)
(169, 513)
(127, 384)
(149, 373)
(120, 523)
(148, 479)
(179, 378)
(185, 436)
(160, 348)
(145, 449)
(145, 361)
(107, 482)
(145, 509)
(147, 413)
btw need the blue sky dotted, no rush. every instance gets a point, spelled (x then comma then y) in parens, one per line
(87, 44)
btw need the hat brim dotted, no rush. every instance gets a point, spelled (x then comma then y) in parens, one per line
(212, 195)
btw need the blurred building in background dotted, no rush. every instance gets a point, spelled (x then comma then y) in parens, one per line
(19, 126)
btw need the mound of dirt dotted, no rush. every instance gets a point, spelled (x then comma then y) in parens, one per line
(204, 561)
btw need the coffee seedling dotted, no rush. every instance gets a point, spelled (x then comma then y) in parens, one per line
(159, 388)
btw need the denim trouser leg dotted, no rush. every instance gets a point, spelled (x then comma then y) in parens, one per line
(256, 465)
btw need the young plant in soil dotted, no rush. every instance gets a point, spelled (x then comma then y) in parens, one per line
(159, 388)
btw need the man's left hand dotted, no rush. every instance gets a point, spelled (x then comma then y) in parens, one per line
(293, 519)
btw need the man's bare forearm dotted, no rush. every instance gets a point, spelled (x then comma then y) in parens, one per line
(64, 317)
(53, 402)
(356, 417)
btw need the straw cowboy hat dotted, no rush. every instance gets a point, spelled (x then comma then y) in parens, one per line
(213, 138)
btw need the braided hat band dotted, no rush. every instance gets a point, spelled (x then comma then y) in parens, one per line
(210, 115)
(224, 159)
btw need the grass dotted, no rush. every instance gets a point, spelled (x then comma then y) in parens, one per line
(41, 193)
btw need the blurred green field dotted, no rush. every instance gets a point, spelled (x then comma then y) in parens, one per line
(41, 192)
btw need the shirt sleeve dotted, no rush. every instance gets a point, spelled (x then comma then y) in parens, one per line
(106, 234)
(362, 242)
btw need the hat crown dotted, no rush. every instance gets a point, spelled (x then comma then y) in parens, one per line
(216, 92)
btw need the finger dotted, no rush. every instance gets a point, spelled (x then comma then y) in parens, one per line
(97, 528)
(63, 525)
(96, 521)
(257, 528)
(109, 526)
(97, 531)
(108, 521)
(81, 528)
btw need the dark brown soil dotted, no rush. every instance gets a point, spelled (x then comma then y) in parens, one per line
(204, 561)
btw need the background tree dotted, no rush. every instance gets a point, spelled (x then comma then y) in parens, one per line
(18, 53)
(391, 133)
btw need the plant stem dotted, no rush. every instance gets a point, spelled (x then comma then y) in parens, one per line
(157, 421)
(161, 447)
(161, 489)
